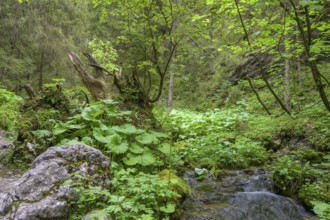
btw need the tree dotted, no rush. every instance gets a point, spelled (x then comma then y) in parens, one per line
(39, 33)
(311, 19)
(145, 43)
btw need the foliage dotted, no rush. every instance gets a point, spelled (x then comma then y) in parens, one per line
(9, 104)
(316, 191)
(101, 125)
(147, 197)
(212, 138)
(322, 210)
(289, 175)
(104, 53)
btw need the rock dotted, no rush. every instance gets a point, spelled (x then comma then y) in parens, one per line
(175, 183)
(40, 194)
(6, 150)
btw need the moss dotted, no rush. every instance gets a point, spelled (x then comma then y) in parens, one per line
(175, 183)
(37, 114)
(205, 188)
(306, 154)
(318, 191)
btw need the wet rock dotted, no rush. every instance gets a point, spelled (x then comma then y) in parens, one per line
(40, 194)
(239, 195)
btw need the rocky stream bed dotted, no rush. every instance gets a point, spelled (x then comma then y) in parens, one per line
(239, 195)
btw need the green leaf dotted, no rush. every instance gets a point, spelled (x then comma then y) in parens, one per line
(120, 149)
(147, 138)
(147, 158)
(169, 208)
(59, 129)
(126, 129)
(132, 160)
(114, 140)
(103, 136)
(90, 113)
(159, 134)
(165, 148)
(135, 148)
(200, 172)
(76, 126)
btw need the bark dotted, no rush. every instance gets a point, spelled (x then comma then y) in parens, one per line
(318, 81)
(29, 90)
(258, 97)
(287, 97)
(171, 86)
(96, 85)
(170, 91)
(41, 69)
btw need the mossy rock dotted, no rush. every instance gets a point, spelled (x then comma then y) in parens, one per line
(175, 183)
(37, 115)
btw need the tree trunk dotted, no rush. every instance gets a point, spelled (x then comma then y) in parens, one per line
(287, 97)
(318, 81)
(171, 86)
(170, 91)
(97, 86)
(41, 69)
(258, 97)
(29, 90)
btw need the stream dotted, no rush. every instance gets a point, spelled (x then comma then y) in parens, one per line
(240, 195)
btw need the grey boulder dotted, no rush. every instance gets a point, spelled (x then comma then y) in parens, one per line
(40, 194)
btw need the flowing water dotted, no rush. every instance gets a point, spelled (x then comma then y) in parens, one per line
(240, 195)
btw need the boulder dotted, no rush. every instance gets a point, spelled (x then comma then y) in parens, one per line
(40, 193)
(6, 150)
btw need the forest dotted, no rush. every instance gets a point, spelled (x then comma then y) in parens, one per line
(164, 109)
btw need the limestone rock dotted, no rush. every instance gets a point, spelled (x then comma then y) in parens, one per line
(40, 194)
(6, 150)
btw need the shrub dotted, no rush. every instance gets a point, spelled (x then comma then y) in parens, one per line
(9, 104)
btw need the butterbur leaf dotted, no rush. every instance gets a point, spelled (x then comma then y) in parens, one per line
(59, 129)
(135, 148)
(147, 158)
(165, 148)
(159, 134)
(126, 129)
(169, 208)
(147, 138)
(101, 135)
(120, 149)
(131, 160)
(114, 139)
(76, 126)
(90, 113)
